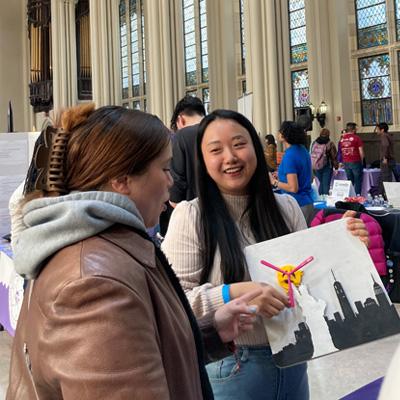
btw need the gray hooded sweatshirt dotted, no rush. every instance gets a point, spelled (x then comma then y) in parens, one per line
(53, 223)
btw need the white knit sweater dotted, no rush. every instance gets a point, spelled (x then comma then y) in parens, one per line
(183, 248)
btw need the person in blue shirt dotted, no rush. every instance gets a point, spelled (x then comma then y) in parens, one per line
(295, 171)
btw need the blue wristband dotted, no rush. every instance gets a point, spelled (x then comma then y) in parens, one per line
(226, 296)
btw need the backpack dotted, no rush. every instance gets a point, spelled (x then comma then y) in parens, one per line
(318, 156)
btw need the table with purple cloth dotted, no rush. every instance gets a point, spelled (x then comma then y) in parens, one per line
(370, 178)
(11, 289)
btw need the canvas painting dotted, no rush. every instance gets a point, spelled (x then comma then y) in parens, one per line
(337, 298)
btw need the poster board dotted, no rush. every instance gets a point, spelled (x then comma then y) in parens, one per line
(392, 190)
(15, 154)
(340, 301)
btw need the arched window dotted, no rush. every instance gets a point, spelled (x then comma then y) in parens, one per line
(196, 49)
(41, 71)
(297, 27)
(373, 55)
(242, 67)
(298, 57)
(133, 54)
(397, 7)
(371, 23)
(301, 90)
(83, 51)
(375, 87)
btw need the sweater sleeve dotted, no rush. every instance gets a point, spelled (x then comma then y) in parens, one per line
(291, 212)
(182, 246)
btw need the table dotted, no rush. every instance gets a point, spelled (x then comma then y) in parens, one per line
(370, 178)
(11, 289)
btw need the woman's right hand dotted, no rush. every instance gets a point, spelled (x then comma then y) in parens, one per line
(270, 302)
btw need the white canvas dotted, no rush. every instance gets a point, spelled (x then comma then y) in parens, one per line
(341, 268)
(392, 190)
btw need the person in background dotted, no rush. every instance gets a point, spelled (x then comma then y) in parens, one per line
(104, 316)
(270, 152)
(295, 172)
(339, 153)
(324, 155)
(386, 156)
(188, 113)
(236, 207)
(351, 149)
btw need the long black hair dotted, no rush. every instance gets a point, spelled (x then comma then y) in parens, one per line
(266, 221)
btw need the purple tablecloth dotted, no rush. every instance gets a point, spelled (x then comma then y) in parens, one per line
(370, 178)
(367, 392)
(11, 290)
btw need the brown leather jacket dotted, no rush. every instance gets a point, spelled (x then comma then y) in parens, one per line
(108, 320)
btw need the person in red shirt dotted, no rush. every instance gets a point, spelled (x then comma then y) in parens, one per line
(351, 148)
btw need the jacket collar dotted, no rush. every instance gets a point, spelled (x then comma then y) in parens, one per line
(134, 242)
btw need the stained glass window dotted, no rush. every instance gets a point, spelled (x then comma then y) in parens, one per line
(297, 27)
(133, 54)
(397, 6)
(375, 87)
(371, 23)
(195, 47)
(300, 89)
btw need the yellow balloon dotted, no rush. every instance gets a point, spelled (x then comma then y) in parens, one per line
(295, 277)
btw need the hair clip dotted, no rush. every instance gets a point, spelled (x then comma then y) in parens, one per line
(49, 161)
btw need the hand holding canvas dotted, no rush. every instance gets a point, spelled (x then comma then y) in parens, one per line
(357, 227)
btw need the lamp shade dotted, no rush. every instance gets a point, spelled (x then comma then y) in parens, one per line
(322, 108)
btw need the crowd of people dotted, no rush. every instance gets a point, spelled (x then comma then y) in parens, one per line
(107, 312)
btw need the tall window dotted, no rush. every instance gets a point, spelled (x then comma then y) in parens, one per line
(41, 71)
(242, 67)
(300, 89)
(297, 27)
(196, 49)
(298, 57)
(82, 21)
(371, 23)
(375, 87)
(397, 6)
(133, 54)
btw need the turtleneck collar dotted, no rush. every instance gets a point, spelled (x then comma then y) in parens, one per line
(236, 204)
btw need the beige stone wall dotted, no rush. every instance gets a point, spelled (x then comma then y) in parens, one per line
(13, 65)
(332, 63)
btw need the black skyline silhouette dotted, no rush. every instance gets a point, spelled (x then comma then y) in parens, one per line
(375, 319)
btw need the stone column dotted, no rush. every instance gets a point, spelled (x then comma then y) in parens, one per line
(63, 44)
(222, 54)
(164, 52)
(329, 62)
(104, 40)
(264, 65)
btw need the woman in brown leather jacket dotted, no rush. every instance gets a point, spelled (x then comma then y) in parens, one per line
(104, 316)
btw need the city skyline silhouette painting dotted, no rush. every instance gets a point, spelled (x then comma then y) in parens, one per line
(338, 300)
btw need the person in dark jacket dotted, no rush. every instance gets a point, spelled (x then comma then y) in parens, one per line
(104, 316)
(188, 113)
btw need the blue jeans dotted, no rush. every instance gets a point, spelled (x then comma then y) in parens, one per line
(253, 375)
(354, 173)
(324, 176)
